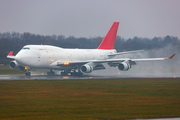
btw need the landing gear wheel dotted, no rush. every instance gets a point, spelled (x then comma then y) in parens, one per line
(64, 73)
(28, 73)
(76, 73)
(51, 72)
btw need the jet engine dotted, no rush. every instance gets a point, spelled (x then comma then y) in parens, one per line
(124, 66)
(13, 64)
(22, 68)
(87, 68)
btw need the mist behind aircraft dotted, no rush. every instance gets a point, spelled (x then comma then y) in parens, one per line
(148, 67)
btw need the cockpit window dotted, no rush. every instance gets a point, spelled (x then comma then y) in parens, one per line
(26, 48)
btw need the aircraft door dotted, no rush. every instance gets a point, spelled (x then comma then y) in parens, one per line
(38, 57)
(41, 56)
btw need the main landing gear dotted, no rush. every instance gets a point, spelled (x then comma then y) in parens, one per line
(51, 72)
(67, 72)
(76, 73)
(73, 72)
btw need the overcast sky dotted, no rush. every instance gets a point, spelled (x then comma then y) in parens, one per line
(91, 18)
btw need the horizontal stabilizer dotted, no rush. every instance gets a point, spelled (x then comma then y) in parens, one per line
(10, 55)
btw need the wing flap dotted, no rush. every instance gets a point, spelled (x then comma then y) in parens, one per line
(153, 59)
(109, 60)
(148, 59)
(68, 63)
(72, 63)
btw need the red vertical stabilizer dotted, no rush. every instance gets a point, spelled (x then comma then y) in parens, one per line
(109, 40)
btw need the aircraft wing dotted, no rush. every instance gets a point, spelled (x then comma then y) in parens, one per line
(134, 60)
(62, 63)
(150, 59)
(71, 63)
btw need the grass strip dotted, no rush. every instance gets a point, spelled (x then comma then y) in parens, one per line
(92, 99)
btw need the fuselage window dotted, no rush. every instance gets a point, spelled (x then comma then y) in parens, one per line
(26, 48)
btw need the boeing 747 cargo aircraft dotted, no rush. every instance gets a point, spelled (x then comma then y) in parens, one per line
(74, 61)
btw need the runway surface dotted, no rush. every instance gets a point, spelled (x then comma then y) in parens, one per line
(89, 76)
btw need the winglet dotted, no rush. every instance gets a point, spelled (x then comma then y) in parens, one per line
(171, 56)
(109, 40)
(11, 53)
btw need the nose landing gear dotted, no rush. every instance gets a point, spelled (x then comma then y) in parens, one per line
(28, 73)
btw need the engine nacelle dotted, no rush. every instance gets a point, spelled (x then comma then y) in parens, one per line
(22, 68)
(13, 64)
(123, 66)
(86, 68)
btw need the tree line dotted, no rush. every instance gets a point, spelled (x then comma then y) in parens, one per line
(15, 41)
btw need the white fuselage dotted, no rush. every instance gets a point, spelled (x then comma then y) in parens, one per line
(42, 56)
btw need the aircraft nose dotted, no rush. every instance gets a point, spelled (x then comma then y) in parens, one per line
(18, 57)
(22, 58)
